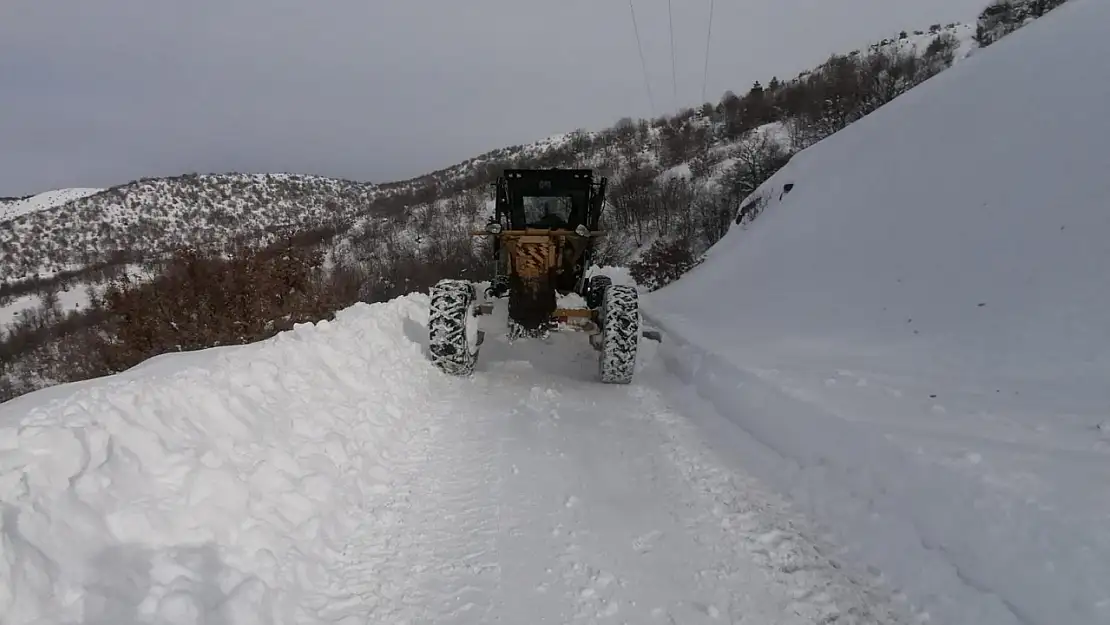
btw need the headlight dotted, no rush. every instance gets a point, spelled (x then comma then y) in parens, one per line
(582, 230)
(493, 228)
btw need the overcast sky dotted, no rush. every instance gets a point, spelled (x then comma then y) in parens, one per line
(97, 93)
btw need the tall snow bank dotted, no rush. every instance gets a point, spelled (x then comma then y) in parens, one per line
(214, 486)
(916, 331)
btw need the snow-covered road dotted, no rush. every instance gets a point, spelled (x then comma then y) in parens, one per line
(549, 498)
(910, 346)
(332, 476)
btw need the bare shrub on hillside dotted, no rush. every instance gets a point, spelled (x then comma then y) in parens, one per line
(676, 197)
(1002, 17)
(712, 213)
(941, 51)
(678, 143)
(633, 201)
(757, 158)
(663, 263)
(200, 302)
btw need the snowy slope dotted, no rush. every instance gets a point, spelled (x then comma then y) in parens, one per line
(152, 217)
(10, 209)
(914, 341)
(331, 475)
(16, 307)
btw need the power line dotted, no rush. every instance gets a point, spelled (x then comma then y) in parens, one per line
(643, 63)
(674, 70)
(708, 38)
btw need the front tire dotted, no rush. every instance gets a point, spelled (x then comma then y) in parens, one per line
(453, 327)
(620, 334)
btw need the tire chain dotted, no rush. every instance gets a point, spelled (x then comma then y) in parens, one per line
(620, 330)
(447, 327)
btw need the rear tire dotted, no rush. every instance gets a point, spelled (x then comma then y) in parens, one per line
(453, 327)
(620, 334)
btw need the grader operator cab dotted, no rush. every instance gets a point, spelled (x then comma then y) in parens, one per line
(544, 231)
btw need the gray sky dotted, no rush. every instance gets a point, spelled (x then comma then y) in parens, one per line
(100, 93)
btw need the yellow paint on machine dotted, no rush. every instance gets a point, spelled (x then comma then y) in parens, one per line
(532, 256)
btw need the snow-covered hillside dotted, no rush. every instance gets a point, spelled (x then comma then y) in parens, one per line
(332, 475)
(148, 218)
(10, 209)
(913, 340)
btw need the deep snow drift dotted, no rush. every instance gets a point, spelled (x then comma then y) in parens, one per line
(332, 475)
(914, 339)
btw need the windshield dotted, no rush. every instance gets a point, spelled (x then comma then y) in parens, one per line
(547, 211)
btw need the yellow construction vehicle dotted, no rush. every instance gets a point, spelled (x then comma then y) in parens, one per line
(544, 234)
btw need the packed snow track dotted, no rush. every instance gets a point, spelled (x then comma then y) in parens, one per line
(332, 475)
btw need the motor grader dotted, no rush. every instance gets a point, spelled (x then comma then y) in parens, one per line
(544, 232)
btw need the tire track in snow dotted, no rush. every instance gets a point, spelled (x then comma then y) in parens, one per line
(429, 555)
(616, 511)
(461, 514)
(754, 523)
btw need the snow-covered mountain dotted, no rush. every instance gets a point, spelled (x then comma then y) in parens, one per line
(913, 340)
(148, 218)
(10, 208)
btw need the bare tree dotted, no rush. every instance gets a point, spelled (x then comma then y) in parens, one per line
(633, 199)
